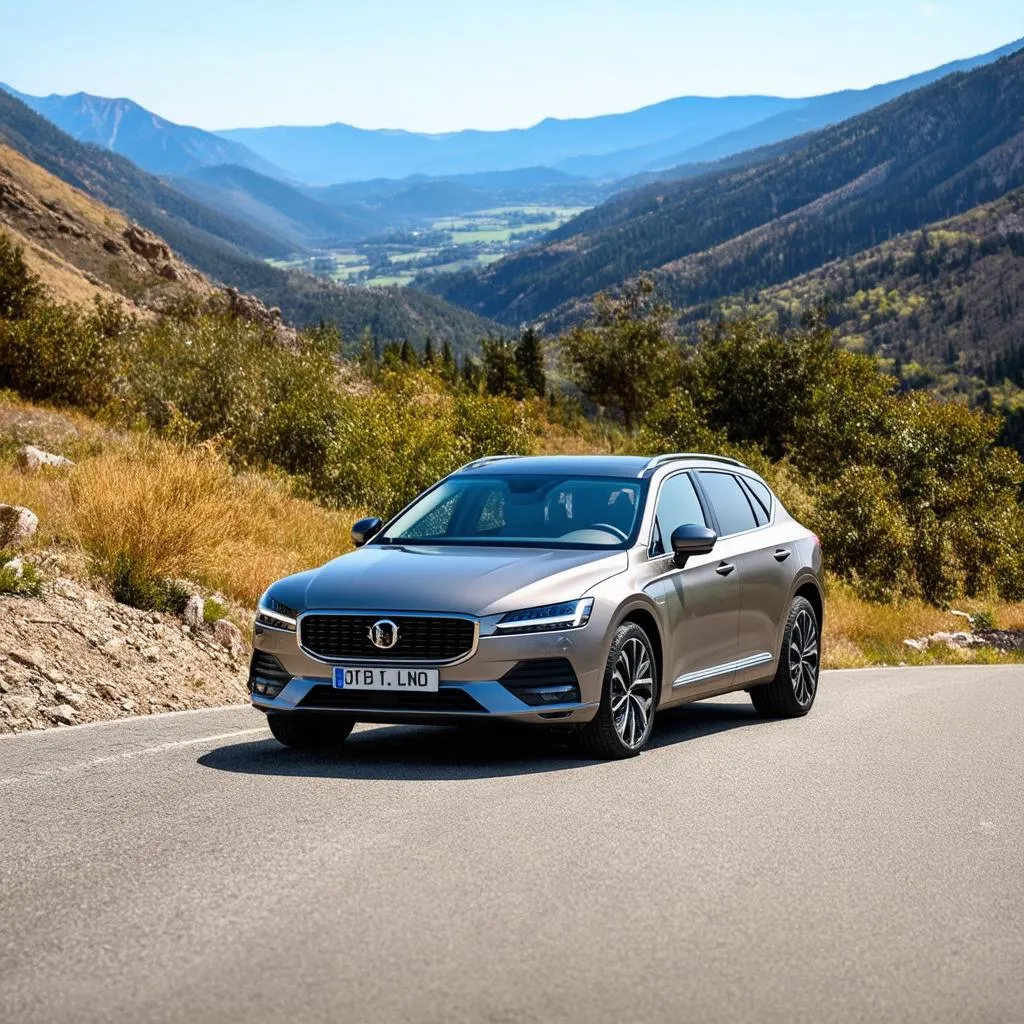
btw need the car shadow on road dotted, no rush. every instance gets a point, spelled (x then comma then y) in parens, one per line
(432, 753)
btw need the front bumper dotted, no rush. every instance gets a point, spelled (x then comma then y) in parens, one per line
(470, 690)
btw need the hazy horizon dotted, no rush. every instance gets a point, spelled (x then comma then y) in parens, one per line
(486, 70)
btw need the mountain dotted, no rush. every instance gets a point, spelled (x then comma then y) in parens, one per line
(340, 152)
(419, 199)
(276, 207)
(217, 245)
(682, 130)
(924, 156)
(949, 296)
(150, 141)
(802, 117)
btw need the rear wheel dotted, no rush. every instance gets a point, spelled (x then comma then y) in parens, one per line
(791, 693)
(307, 731)
(624, 720)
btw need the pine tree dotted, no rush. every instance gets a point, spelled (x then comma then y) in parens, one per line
(529, 358)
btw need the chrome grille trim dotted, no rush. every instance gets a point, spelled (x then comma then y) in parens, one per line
(387, 614)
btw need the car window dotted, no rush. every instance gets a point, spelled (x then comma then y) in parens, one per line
(729, 501)
(760, 512)
(543, 510)
(677, 504)
(761, 493)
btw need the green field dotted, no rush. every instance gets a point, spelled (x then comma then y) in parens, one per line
(449, 244)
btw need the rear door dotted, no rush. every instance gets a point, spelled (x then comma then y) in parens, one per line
(699, 603)
(745, 525)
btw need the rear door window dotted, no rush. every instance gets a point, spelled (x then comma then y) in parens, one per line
(730, 502)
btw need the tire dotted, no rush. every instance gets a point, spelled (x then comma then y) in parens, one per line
(622, 725)
(791, 693)
(305, 731)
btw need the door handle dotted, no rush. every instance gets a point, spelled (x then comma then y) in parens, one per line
(781, 554)
(725, 568)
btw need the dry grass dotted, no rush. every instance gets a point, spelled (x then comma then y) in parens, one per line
(860, 633)
(174, 512)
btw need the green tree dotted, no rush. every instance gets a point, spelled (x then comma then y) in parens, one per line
(500, 368)
(625, 357)
(529, 358)
(19, 287)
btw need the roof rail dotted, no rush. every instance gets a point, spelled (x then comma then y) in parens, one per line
(484, 460)
(658, 460)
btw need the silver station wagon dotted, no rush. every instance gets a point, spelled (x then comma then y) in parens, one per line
(585, 592)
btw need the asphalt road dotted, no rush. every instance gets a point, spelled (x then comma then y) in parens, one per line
(863, 864)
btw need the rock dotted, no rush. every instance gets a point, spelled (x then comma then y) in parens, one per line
(229, 636)
(22, 704)
(193, 613)
(111, 646)
(66, 696)
(53, 675)
(127, 704)
(63, 713)
(108, 691)
(151, 654)
(916, 645)
(146, 244)
(30, 659)
(17, 566)
(17, 526)
(32, 458)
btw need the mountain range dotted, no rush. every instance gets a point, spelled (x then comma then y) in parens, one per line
(687, 129)
(779, 212)
(230, 251)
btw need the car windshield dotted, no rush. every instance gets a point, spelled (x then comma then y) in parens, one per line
(516, 509)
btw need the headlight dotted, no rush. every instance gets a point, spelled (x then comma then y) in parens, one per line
(275, 615)
(547, 618)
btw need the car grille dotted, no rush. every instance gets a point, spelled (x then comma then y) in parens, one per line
(447, 698)
(420, 637)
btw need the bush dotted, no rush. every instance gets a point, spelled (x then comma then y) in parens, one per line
(68, 355)
(23, 582)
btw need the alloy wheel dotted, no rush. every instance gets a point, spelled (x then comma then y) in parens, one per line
(803, 657)
(632, 692)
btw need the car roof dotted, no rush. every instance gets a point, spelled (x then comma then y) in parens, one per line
(586, 465)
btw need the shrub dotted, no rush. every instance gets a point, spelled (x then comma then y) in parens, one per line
(68, 355)
(15, 582)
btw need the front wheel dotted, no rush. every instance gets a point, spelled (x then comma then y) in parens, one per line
(623, 722)
(791, 693)
(304, 730)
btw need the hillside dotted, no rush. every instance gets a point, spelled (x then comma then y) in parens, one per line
(179, 221)
(148, 140)
(949, 297)
(925, 156)
(196, 231)
(275, 207)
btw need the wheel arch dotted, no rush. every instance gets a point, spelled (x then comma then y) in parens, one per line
(646, 619)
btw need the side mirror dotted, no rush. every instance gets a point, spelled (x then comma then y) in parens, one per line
(364, 529)
(691, 539)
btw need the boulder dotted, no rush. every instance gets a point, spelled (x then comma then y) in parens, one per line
(17, 526)
(32, 458)
(229, 636)
(193, 613)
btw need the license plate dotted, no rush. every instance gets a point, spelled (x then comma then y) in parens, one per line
(416, 680)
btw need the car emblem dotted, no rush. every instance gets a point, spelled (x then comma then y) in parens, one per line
(383, 634)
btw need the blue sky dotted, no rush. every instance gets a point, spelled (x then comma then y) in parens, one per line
(440, 65)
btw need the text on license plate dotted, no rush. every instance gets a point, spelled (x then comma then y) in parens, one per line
(419, 680)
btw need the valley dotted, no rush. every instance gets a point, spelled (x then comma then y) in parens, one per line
(443, 245)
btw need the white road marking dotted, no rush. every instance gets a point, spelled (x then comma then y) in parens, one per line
(126, 755)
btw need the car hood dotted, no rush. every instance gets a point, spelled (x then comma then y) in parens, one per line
(473, 580)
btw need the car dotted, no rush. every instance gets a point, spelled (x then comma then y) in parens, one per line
(583, 592)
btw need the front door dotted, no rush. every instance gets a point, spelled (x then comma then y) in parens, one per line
(699, 603)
